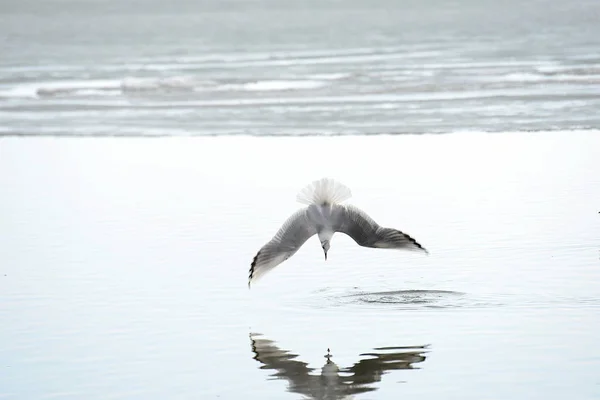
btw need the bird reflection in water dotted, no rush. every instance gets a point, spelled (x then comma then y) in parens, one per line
(334, 382)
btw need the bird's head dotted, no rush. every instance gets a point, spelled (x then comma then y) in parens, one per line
(325, 245)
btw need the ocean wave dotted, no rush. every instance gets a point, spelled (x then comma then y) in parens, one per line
(552, 77)
(332, 76)
(135, 85)
(275, 85)
(569, 70)
(62, 88)
(175, 83)
(226, 58)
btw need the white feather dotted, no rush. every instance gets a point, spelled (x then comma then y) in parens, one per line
(324, 191)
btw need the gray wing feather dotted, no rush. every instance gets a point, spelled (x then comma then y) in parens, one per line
(294, 232)
(367, 233)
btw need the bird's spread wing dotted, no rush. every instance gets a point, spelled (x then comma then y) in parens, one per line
(290, 237)
(367, 233)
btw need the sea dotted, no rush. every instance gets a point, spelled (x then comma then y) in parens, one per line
(149, 149)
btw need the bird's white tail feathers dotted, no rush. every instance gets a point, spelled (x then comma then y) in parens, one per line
(322, 191)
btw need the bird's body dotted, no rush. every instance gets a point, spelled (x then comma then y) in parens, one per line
(325, 216)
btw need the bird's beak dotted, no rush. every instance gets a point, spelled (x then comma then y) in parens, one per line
(325, 256)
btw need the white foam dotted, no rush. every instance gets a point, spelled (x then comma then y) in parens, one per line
(523, 77)
(66, 88)
(334, 76)
(97, 92)
(107, 87)
(276, 85)
(20, 92)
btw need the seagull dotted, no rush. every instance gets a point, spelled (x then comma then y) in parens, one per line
(324, 216)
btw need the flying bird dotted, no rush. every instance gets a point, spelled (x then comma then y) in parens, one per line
(324, 216)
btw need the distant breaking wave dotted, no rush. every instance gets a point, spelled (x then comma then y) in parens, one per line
(182, 84)
(158, 86)
(354, 92)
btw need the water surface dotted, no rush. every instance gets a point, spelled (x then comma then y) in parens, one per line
(124, 255)
(124, 268)
(146, 68)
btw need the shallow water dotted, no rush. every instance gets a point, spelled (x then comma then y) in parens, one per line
(124, 262)
(124, 259)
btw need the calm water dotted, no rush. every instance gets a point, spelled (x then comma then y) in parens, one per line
(260, 67)
(124, 259)
(124, 266)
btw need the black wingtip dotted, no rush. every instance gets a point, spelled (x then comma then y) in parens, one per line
(252, 266)
(415, 243)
